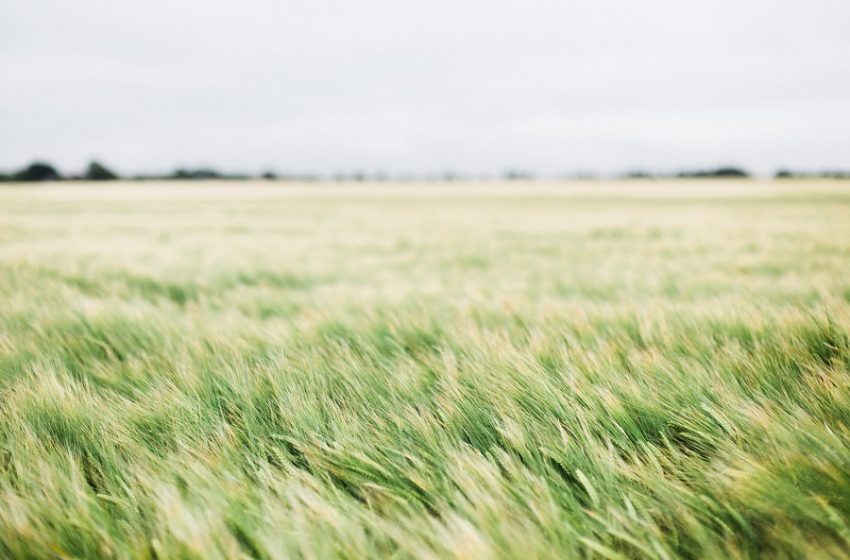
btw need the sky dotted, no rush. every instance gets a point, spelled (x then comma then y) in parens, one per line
(403, 86)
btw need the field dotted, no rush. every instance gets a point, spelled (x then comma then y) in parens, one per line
(632, 370)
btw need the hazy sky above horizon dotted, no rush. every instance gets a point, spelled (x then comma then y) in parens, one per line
(410, 86)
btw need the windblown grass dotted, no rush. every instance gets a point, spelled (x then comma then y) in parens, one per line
(611, 371)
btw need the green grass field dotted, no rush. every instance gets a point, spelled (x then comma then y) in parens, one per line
(599, 370)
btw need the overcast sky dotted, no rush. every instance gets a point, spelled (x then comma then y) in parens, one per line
(425, 86)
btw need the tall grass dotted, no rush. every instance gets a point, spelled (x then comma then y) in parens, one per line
(613, 371)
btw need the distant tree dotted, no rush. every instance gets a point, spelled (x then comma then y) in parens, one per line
(517, 175)
(720, 172)
(784, 174)
(269, 175)
(183, 174)
(98, 172)
(5, 177)
(638, 174)
(37, 171)
(730, 172)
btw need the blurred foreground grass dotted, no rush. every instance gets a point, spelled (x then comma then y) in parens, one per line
(470, 371)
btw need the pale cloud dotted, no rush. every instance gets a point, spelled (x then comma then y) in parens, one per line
(398, 85)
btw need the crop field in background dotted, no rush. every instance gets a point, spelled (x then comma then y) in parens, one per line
(605, 370)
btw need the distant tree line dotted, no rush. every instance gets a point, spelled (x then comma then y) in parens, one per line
(38, 171)
(95, 171)
(725, 172)
(736, 172)
(829, 174)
